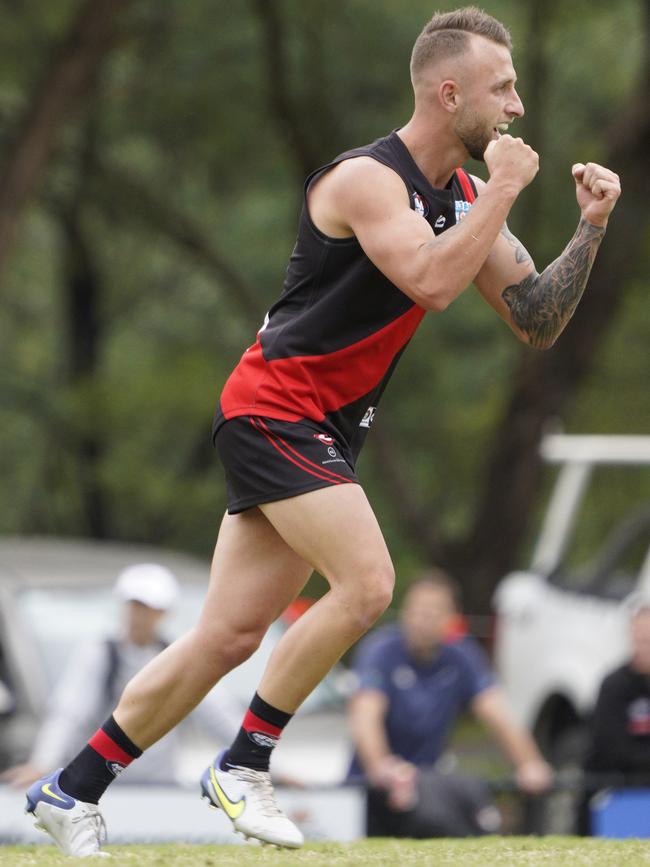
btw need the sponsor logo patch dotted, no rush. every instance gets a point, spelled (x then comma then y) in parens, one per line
(440, 222)
(461, 209)
(324, 438)
(115, 768)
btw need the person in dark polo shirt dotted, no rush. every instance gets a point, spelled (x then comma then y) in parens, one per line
(619, 728)
(620, 724)
(413, 683)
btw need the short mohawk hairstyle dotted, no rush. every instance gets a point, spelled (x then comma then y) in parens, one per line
(447, 34)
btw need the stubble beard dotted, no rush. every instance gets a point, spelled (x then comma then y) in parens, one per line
(471, 130)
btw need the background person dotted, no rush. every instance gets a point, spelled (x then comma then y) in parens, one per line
(98, 672)
(619, 727)
(413, 685)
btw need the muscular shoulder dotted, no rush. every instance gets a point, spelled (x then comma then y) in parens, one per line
(360, 186)
(361, 171)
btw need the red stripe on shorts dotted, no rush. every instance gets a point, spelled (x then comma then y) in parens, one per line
(293, 461)
(302, 457)
(108, 749)
(253, 723)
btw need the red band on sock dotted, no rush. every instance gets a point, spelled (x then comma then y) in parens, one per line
(108, 749)
(253, 723)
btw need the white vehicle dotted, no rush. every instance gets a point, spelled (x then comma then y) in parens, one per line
(561, 626)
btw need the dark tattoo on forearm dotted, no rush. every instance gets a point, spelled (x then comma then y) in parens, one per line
(542, 304)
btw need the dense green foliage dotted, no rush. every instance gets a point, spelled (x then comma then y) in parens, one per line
(181, 178)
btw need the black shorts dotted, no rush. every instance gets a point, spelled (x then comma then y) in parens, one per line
(266, 460)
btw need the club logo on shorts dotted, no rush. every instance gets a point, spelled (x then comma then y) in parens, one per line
(324, 438)
(263, 740)
(369, 417)
(420, 204)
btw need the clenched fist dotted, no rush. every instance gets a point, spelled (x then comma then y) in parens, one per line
(511, 159)
(597, 191)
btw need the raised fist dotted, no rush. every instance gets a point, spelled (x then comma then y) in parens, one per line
(597, 191)
(511, 159)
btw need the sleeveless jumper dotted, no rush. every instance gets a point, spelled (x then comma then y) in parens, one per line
(330, 343)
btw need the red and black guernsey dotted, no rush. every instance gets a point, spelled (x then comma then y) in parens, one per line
(330, 343)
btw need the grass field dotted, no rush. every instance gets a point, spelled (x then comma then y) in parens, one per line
(497, 851)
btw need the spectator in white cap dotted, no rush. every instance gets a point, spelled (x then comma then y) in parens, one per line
(150, 591)
(97, 674)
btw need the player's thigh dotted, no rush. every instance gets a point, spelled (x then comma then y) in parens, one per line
(335, 530)
(255, 574)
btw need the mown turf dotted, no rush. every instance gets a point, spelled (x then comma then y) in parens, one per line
(498, 851)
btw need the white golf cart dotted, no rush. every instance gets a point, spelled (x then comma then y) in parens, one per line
(562, 625)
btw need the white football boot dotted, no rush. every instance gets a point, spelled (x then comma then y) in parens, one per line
(246, 796)
(75, 826)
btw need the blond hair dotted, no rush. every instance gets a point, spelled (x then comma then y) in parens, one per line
(447, 34)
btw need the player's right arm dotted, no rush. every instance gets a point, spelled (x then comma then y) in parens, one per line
(367, 714)
(362, 197)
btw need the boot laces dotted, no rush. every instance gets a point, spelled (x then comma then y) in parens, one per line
(262, 788)
(93, 823)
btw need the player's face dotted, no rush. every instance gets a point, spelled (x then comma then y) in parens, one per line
(641, 641)
(489, 100)
(425, 615)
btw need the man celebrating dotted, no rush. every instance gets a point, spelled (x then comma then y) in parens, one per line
(388, 232)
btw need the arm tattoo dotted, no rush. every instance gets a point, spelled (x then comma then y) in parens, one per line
(521, 254)
(542, 304)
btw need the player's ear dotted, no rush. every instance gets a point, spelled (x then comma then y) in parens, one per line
(448, 94)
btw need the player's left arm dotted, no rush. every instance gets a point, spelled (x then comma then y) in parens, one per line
(538, 306)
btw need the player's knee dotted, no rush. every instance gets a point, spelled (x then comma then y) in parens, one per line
(244, 645)
(376, 593)
(235, 647)
(383, 591)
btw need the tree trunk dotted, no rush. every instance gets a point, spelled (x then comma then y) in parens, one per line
(82, 288)
(65, 79)
(535, 121)
(281, 103)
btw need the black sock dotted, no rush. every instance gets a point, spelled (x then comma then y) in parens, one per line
(105, 755)
(256, 739)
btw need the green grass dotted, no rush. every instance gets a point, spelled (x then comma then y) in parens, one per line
(487, 852)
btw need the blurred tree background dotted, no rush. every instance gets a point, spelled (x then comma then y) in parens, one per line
(153, 159)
